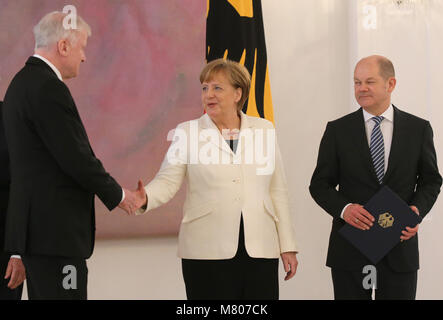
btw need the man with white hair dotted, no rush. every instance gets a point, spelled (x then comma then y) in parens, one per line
(54, 172)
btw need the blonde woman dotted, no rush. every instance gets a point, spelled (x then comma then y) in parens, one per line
(236, 221)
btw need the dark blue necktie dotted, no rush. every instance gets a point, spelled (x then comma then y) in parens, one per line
(377, 148)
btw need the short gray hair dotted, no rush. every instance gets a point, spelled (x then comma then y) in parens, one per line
(386, 68)
(50, 30)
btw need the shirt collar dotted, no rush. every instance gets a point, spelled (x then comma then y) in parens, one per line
(59, 75)
(388, 114)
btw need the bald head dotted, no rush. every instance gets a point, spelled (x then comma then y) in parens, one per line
(385, 66)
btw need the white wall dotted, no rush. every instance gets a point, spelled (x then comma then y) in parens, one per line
(312, 49)
(307, 45)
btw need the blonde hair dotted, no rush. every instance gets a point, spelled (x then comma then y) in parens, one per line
(237, 75)
(50, 30)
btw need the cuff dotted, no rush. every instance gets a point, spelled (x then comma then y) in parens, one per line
(123, 196)
(343, 211)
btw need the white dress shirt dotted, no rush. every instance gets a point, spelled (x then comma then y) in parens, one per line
(386, 127)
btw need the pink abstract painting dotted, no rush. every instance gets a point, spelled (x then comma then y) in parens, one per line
(139, 81)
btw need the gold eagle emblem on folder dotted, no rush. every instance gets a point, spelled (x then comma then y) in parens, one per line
(386, 220)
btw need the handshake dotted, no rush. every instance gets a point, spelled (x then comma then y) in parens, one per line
(134, 199)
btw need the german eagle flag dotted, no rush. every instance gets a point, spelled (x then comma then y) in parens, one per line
(234, 31)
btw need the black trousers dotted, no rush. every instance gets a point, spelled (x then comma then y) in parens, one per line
(5, 292)
(390, 285)
(239, 278)
(56, 278)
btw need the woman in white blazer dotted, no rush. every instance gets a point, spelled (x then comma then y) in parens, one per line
(236, 219)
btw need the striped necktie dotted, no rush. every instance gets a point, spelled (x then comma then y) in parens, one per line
(377, 148)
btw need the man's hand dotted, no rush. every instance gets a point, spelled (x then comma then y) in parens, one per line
(358, 217)
(15, 271)
(134, 199)
(410, 232)
(290, 263)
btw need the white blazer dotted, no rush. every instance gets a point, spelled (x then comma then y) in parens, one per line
(222, 186)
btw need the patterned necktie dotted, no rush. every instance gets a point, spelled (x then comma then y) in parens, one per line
(377, 148)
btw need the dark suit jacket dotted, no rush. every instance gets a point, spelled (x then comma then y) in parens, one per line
(4, 179)
(54, 173)
(344, 160)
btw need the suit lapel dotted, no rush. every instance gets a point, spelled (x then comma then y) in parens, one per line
(206, 123)
(245, 129)
(74, 107)
(397, 140)
(82, 125)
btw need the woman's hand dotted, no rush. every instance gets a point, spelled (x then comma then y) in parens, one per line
(290, 263)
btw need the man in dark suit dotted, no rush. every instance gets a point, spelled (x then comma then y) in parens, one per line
(11, 285)
(374, 146)
(54, 172)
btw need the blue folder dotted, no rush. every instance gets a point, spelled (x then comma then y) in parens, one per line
(392, 215)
